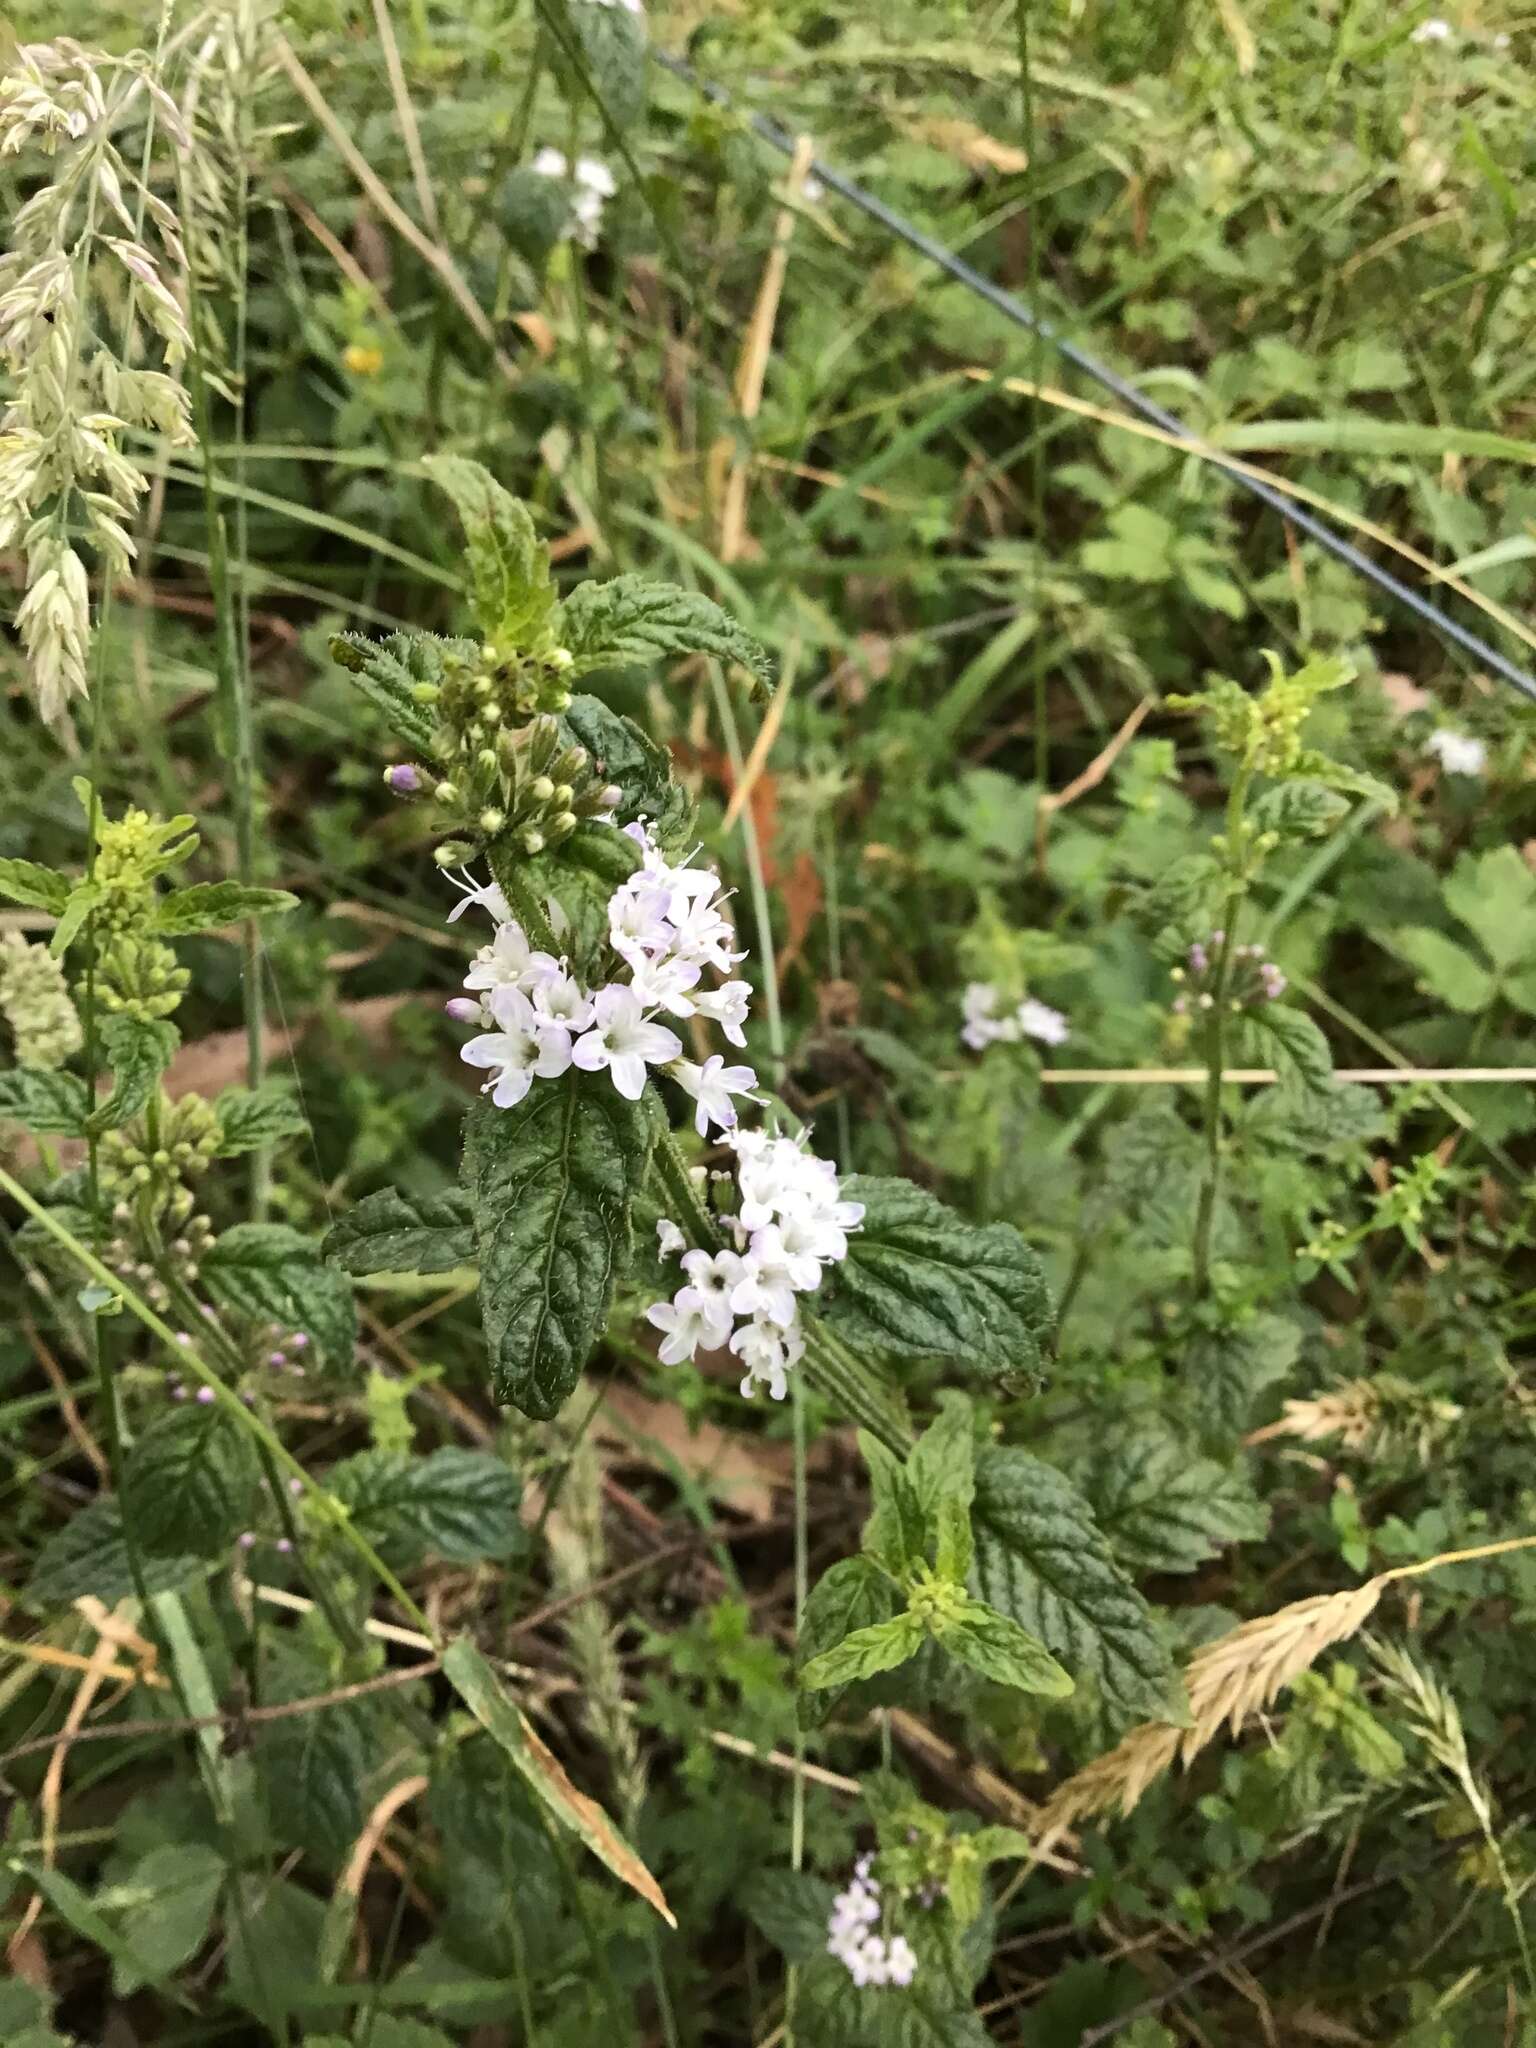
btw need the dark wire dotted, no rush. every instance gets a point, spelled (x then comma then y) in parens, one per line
(1015, 310)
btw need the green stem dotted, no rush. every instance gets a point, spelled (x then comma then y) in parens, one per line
(1216, 1037)
(531, 914)
(802, 1587)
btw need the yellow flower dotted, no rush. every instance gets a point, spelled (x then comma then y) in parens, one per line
(363, 361)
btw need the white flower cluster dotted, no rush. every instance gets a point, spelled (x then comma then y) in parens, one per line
(60, 463)
(1457, 752)
(790, 1222)
(592, 187)
(985, 1026)
(868, 1957)
(665, 927)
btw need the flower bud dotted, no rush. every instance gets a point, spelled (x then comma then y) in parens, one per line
(462, 1009)
(562, 795)
(491, 820)
(453, 853)
(447, 792)
(533, 840)
(560, 657)
(611, 796)
(403, 779)
(424, 693)
(541, 789)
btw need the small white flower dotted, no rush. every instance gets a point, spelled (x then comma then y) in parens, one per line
(558, 995)
(1432, 31)
(669, 1239)
(727, 1007)
(977, 1007)
(525, 1046)
(712, 1276)
(505, 962)
(624, 1041)
(900, 1960)
(767, 1287)
(686, 1321)
(1458, 752)
(1039, 1020)
(666, 984)
(479, 896)
(712, 1087)
(767, 1354)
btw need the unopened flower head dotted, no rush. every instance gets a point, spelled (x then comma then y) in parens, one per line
(35, 1003)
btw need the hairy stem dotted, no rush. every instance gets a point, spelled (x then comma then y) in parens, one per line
(1216, 1038)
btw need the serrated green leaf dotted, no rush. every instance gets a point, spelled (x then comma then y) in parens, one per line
(82, 900)
(790, 1908)
(397, 1232)
(48, 1103)
(89, 1554)
(608, 61)
(481, 1691)
(1450, 973)
(898, 1532)
(633, 618)
(208, 906)
(276, 1274)
(1165, 1509)
(457, 1504)
(310, 1769)
(995, 1645)
(510, 588)
(552, 1183)
(880, 1646)
(252, 1117)
(389, 671)
(188, 1482)
(165, 1923)
(955, 1546)
(1299, 1045)
(1042, 1559)
(1494, 896)
(637, 767)
(850, 1595)
(942, 1463)
(138, 1050)
(920, 1280)
(1227, 1369)
(38, 888)
(1298, 810)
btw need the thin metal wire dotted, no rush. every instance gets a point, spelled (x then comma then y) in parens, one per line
(1019, 314)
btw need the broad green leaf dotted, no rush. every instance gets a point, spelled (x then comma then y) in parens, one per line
(76, 1909)
(1448, 972)
(82, 900)
(638, 768)
(1042, 1559)
(608, 60)
(276, 1274)
(922, 1281)
(189, 1482)
(880, 1646)
(47, 1103)
(850, 1595)
(1165, 1509)
(996, 1646)
(482, 1692)
(898, 1532)
(165, 1920)
(89, 1554)
(634, 619)
(389, 673)
(208, 906)
(1494, 895)
(458, 1504)
(310, 1769)
(942, 1463)
(138, 1050)
(552, 1183)
(510, 589)
(1298, 810)
(1226, 1370)
(252, 1117)
(38, 888)
(396, 1232)
(1299, 1046)
(791, 1909)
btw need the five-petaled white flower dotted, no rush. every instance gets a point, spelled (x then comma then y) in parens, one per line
(687, 1321)
(525, 1045)
(623, 1041)
(712, 1087)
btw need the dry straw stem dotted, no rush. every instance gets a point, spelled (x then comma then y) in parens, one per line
(1240, 1674)
(1378, 1077)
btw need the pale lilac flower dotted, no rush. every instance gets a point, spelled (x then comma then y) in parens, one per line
(686, 1321)
(479, 896)
(669, 1239)
(666, 984)
(624, 1041)
(558, 996)
(1038, 1020)
(526, 1045)
(727, 1007)
(712, 1087)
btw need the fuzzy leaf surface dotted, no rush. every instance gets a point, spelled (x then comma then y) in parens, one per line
(397, 1232)
(1166, 1510)
(276, 1274)
(633, 619)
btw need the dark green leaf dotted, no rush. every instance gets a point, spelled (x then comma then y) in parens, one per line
(1041, 1558)
(188, 1482)
(921, 1281)
(396, 1232)
(1299, 1045)
(1298, 810)
(276, 1274)
(791, 1909)
(640, 769)
(634, 619)
(553, 1183)
(389, 671)
(1227, 1369)
(510, 588)
(89, 1554)
(252, 1117)
(608, 60)
(310, 1768)
(458, 1504)
(38, 888)
(208, 906)
(138, 1050)
(996, 1646)
(1165, 1509)
(850, 1595)
(164, 1925)
(49, 1104)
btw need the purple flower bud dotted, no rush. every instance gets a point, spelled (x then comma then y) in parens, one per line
(462, 1009)
(183, 1336)
(1218, 938)
(247, 1540)
(404, 780)
(277, 1358)
(295, 1486)
(298, 1340)
(1198, 962)
(284, 1545)
(205, 1395)
(1180, 1005)
(611, 797)
(178, 1393)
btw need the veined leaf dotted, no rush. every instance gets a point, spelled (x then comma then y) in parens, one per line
(188, 1482)
(50, 1104)
(251, 1117)
(138, 1051)
(207, 906)
(89, 1554)
(510, 587)
(276, 1274)
(1042, 1559)
(1166, 1510)
(633, 618)
(389, 671)
(1227, 1369)
(37, 888)
(850, 1595)
(880, 1646)
(920, 1280)
(396, 1232)
(995, 1645)
(482, 1692)
(456, 1503)
(633, 762)
(552, 1183)
(1299, 1044)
